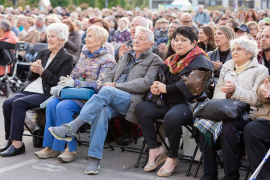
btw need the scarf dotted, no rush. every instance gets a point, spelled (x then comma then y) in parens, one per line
(177, 66)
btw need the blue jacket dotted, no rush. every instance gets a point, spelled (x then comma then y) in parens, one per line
(162, 40)
(203, 18)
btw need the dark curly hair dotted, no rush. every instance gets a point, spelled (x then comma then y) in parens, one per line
(186, 31)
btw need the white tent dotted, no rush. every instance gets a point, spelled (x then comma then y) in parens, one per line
(44, 3)
(181, 3)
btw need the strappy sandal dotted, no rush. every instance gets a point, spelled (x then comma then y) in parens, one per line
(167, 172)
(161, 158)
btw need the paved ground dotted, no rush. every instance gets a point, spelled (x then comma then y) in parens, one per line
(114, 166)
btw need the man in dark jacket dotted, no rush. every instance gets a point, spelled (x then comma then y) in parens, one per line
(162, 33)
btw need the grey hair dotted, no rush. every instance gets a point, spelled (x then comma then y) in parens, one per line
(176, 22)
(250, 46)
(5, 25)
(13, 17)
(262, 21)
(79, 23)
(144, 21)
(60, 29)
(150, 34)
(40, 18)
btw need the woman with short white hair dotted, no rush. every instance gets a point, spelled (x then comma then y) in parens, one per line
(50, 64)
(239, 78)
(93, 65)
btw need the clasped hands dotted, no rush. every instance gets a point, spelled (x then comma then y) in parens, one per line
(158, 88)
(265, 88)
(228, 89)
(36, 67)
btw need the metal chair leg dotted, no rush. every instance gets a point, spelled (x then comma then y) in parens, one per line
(114, 136)
(145, 161)
(246, 177)
(219, 161)
(140, 155)
(198, 167)
(192, 161)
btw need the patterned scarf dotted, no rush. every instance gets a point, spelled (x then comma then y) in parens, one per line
(177, 66)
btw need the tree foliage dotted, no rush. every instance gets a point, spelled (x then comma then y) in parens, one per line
(61, 3)
(111, 3)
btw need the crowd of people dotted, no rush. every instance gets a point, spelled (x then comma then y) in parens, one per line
(144, 65)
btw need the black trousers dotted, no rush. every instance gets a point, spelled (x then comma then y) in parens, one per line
(14, 109)
(229, 142)
(257, 139)
(174, 117)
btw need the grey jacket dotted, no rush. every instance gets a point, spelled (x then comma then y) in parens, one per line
(142, 75)
(214, 56)
(73, 45)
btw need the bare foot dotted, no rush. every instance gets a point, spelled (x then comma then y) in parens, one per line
(153, 155)
(17, 144)
(169, 164)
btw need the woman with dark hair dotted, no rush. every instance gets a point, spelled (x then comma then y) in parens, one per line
(113, 28)
(251, 15)
(73, 45)
(65, 12)
(206, 38)
(188, 62)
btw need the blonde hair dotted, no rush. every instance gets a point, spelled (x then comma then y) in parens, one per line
(124, 19)
(99, 33)
(228, 31)
(31, 20)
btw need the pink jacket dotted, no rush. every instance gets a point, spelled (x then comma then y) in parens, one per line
(10, 37)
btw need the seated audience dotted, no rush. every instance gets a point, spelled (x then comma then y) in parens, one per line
(113, 28)
(206, 38)
(257, 133)
(189, 59)
(93, 65)
(78, 25)
(264, 54)
(162, 32)
(50, 65)
(19, 23)
(242, 30)
(73, 45)
(29, 33)
(48, 20)
(120, 94)
(258, 40)
(123, 33)
(232, 23)
(222, 54)
(40, 24)
(239, 78)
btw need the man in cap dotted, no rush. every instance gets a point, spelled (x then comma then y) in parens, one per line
(242, 30)
(162, 33)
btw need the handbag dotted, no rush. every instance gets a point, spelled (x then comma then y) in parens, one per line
(222, 110)
(150, 97)
(82, 93)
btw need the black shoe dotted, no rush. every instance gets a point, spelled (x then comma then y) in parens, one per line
(232, 176)
(210, 176)
(6, 146)
(125, 139)
(12, 151)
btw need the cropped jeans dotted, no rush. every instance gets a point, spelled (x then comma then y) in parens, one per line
(59, 112)
(108, 103)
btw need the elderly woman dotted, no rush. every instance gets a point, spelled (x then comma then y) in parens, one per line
(50, 65)
(73, 45)
(29, 33)
(239, 78)
(48, 21)
(176, 111)
(78, 25)
(7, 35)
(222, 54)
(123, 33)
(93, 65)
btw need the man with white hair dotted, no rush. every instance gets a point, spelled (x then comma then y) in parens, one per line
(123, 89)
(73, 16)
(137, 21)
(201, 17)
(40, 24)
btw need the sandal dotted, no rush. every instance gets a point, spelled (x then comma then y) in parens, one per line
(167, 172)
(160, 159)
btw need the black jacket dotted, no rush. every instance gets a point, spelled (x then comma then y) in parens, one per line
(61, 65)
(200, 62)
(214, 56)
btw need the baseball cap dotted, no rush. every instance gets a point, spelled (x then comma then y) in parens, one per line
(243, 27)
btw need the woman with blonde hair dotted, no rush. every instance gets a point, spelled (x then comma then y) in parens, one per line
(254, 28)
(123, 33)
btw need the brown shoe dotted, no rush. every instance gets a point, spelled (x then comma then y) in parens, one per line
(167, 172)
(47, 154)
(160, 159)
(67, 158)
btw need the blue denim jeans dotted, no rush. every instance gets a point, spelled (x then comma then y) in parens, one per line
(98, 111)
(59, 112)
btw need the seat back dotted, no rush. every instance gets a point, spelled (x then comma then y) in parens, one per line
(33, 50)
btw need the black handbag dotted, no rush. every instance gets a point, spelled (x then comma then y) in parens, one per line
(38, 141)
(222, 110)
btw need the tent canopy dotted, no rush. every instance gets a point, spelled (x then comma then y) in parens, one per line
(181, 3)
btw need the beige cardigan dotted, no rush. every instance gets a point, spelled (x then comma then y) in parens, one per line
(32, 37)
(246, 82)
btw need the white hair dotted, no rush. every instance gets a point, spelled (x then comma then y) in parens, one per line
(150, 34)
(144, 21)
(60, 29)
(250, 46)
(262, 21)
(20, 16)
